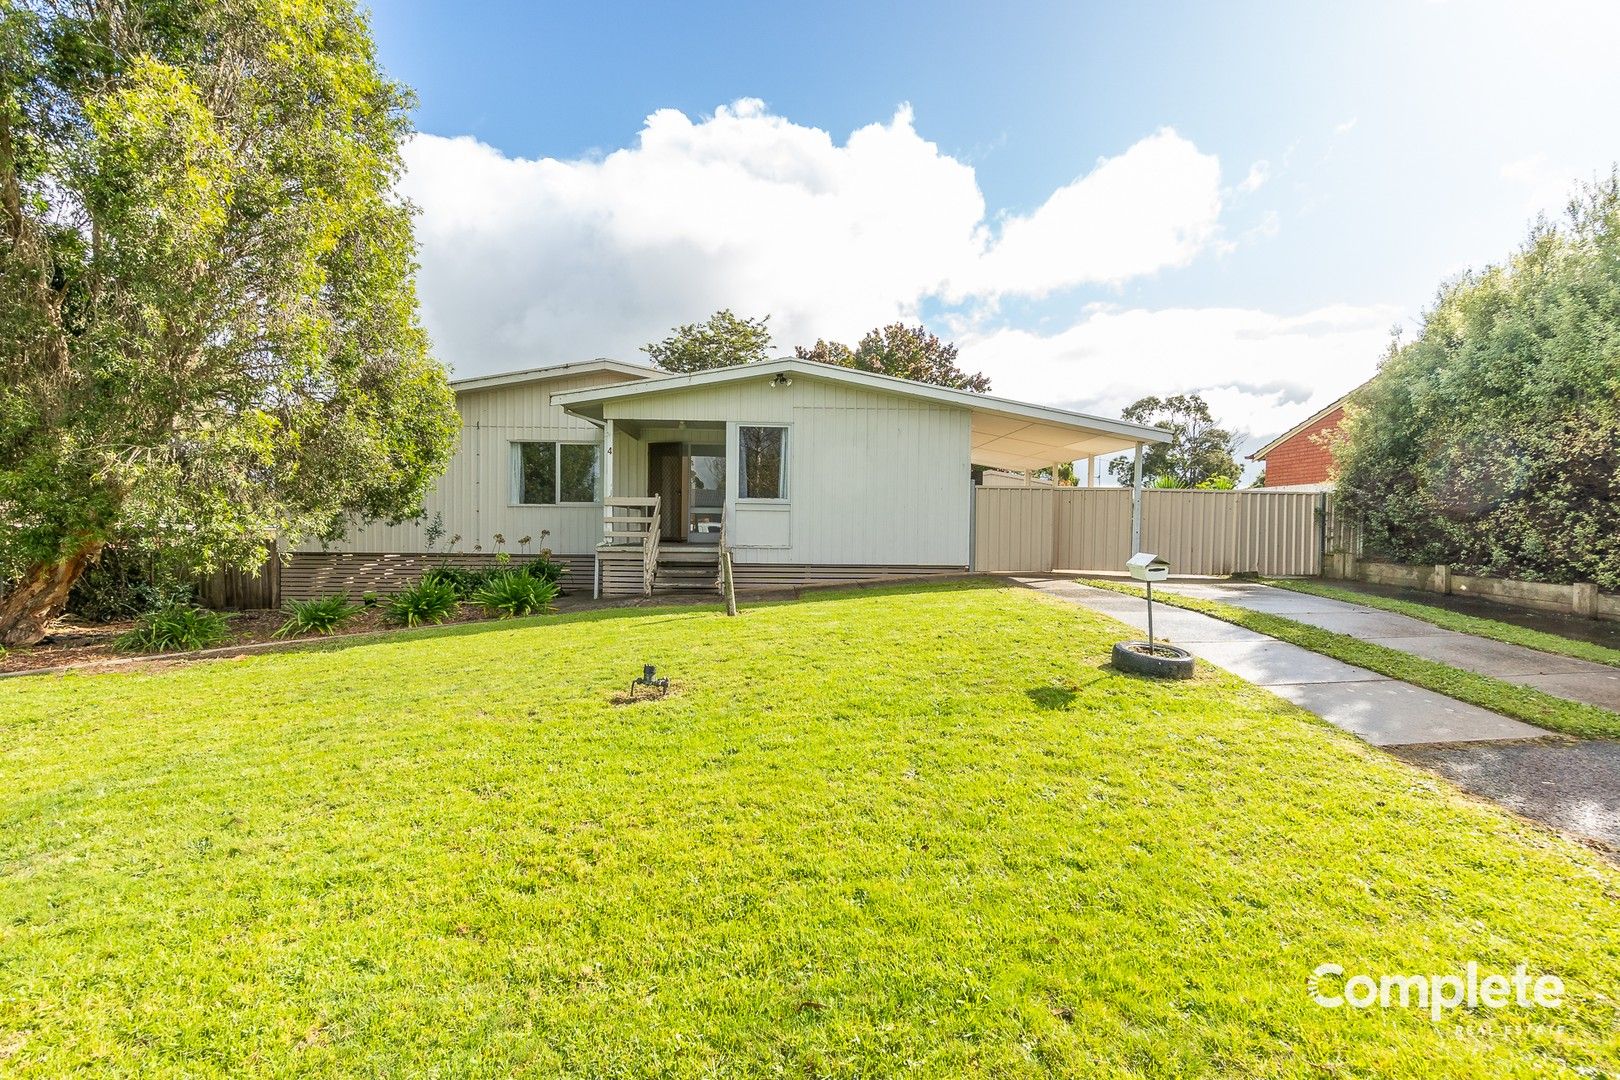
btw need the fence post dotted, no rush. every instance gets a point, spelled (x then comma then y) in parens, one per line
(1136, 501)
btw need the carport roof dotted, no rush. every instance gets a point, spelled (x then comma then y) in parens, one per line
(1006, 434)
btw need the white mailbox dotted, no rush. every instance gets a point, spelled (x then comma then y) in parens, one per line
(1146, 567)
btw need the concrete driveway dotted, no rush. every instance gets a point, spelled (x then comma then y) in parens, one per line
(1561, 676)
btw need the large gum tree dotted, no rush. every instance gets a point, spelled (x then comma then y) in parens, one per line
(208, 326)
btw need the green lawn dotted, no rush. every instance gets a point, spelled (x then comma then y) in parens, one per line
(1510, 699)
(1478, 625)
(923, 831)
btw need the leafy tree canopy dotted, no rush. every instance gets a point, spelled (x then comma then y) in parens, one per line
(1491, 441)
(208, 328)
(908, 352)
(1199, 453)
(724, 341)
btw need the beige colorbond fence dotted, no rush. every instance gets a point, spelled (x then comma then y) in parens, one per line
(1199, 532)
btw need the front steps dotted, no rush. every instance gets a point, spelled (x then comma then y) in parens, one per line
(682, 568)
(687, 568)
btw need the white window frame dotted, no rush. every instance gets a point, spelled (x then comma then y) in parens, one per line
(735, 452)
(515, 482)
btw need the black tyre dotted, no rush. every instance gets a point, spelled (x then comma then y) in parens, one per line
(1160, 661)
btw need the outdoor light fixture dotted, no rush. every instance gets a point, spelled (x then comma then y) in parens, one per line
(649, 678)
(784, 379)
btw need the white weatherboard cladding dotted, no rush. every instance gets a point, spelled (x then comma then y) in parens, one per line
(473, 497)
(873, 478)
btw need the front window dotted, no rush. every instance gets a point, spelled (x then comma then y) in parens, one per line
(547, 473)
(579, 472)
(762, 453)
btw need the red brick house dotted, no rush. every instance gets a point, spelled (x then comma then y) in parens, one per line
(1299, 458)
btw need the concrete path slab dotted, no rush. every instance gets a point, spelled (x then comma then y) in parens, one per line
(1602, 690)
(1268, 662)
(1361, 624)
(1381, 710)
(1561, 676)
(1495, 658)
(1390, 713)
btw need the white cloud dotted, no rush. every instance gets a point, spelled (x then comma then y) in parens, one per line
(1260, 372)
(1259, 173)
(1155, 206)
(529, 262)
(1546, 188)
(1346, 126)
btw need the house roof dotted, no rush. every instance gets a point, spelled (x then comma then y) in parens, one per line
(554, 371)
(1006, 434)
(1304, 425)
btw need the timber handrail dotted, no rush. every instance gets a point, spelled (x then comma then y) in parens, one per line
(723, 578)
(632, 522)
(649, 550)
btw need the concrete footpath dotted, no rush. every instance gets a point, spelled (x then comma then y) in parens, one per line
(1570, 784)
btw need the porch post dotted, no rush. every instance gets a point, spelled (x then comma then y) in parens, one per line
(607, 461)
(1136, 501)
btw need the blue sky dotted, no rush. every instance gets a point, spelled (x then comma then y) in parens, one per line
(1287, 181)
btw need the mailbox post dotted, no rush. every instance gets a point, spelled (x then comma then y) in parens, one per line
(1148, 568)
(1148, 657)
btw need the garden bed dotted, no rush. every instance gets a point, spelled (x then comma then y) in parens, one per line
(75, 642)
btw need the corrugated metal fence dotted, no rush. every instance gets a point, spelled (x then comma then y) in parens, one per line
(1199, 532)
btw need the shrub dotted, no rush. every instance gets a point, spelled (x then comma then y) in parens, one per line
(122, 585)
(176, 628)
(468, 581)
(1491, 442)
(462, 580)
(320, 616)
(512, 594)
(430, 600)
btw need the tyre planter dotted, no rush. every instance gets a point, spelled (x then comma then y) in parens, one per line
(1157, 660)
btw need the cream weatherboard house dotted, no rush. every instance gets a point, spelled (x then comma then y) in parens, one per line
(637, 479)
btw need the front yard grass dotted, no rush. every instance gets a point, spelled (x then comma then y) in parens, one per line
(922, 831)
(1510, 699)
(1477, 625)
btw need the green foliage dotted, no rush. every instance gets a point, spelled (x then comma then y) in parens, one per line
(724, 341)
(510, 594)
(466, 580)
(906, 352)
(123, 584)
(208, 327)
(1491, 442)
(323, 615)
(1199, 452)
(177, 628)
(430, 600)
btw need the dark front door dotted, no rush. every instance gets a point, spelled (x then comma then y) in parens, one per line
(666, 478)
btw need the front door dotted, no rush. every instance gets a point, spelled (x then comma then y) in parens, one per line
(666, 478)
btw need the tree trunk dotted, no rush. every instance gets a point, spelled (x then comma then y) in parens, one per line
(40, 595)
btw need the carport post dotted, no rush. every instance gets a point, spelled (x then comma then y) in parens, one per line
(1136, 501)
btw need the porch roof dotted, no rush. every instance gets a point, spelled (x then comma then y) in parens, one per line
(1006, 434)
